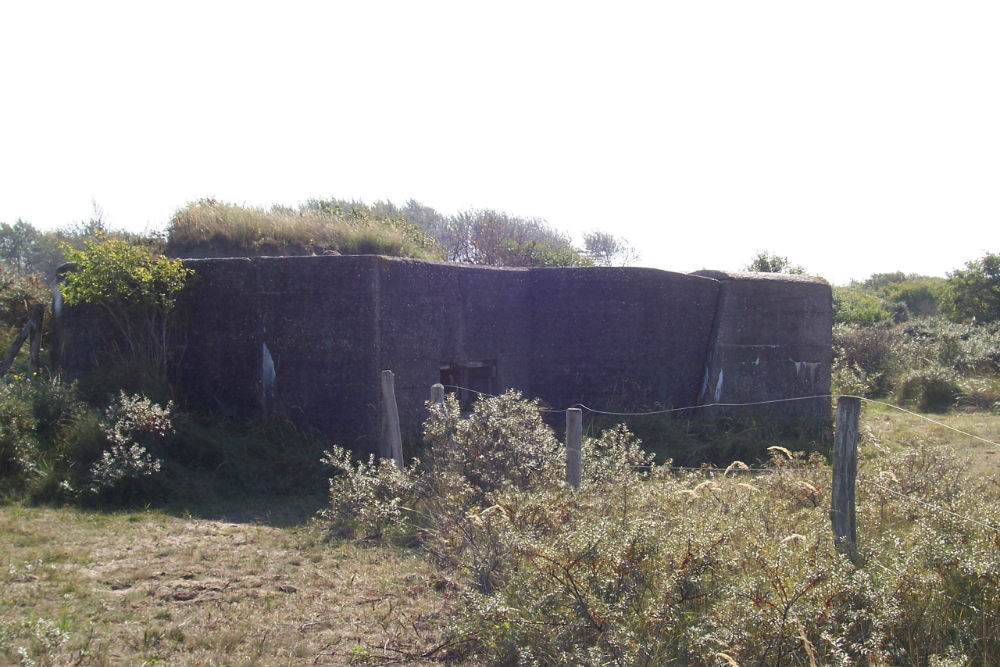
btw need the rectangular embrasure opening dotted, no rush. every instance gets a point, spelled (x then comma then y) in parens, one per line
(469, 379)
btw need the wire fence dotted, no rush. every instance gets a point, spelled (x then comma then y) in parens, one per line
(869, 483)
(757, 470)
(702, 406)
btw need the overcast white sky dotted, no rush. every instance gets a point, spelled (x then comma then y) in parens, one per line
(853, 137)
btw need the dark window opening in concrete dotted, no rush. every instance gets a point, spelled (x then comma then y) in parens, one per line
(469, 379)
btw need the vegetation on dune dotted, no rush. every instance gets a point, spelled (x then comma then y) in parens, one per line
(647, 565)
(215, 228)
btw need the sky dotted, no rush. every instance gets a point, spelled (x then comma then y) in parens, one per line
(851, 137)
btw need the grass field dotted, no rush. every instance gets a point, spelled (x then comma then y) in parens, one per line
(145, 587)
(257, 582)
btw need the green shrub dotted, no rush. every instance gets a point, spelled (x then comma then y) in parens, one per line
(54, 435)
(934, 389)
(858, 307)
(136, 290)
(973, 293)
(503, 441)
(368, 498)
(17, 437)
(133, 425)
(647, 565)
(53, 446)
(865, 358)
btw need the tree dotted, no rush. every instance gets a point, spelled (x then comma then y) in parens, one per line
(765, 262)
(604, 249)
(973, 293)
(495, 238)
(26, 250)
(136, 288)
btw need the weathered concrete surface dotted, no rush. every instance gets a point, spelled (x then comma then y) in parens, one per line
(772, 340)
(306, 337)
(618, 338)
(434, 314)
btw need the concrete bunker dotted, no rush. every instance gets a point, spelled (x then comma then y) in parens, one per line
(306, 338)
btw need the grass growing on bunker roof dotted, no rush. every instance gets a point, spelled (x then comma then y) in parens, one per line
(228, 229)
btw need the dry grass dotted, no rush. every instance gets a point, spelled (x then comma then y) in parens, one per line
(900, 430)
(211, 227)
(145, 587)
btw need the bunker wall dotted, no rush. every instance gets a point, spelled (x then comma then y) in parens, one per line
(294, 338)
(435, 315)
(619, 338)
(305, 338)
(772, 340)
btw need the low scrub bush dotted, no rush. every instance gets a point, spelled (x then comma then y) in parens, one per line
(133, 426)
(931, 362)
(645, 564)
(865, 359)
(933, 389)
(53, 446)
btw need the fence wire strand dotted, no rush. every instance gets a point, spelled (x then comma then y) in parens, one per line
(747, 404)
(925, 418)
(931, 506)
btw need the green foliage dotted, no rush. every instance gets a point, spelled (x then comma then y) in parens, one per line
(765, 262)
(48, 439)
(503, 441)
(865, 359)
(368, 498)
(27, 250)
(133, 426)
(211, 459)
(853, 306)
(19, 292)
(934, 388)
(137, 290)
(922, 295)
(122, 278)
(931, 361)
(973, 293)
(900, 296)
(488, 237)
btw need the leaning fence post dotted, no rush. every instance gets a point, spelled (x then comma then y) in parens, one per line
(33, 328)
(845, 474)
(574, 443)
(392, 439)
(35, 340)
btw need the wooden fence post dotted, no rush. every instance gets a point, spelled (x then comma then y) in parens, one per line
(845, 474)
(437, 401)
(437, 395)
(574, 445)
(392, 439)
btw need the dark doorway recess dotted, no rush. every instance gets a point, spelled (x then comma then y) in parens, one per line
(468, 379)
